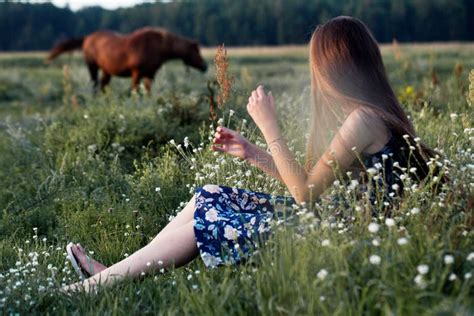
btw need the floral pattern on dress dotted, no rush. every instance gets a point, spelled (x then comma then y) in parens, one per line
(229, 222)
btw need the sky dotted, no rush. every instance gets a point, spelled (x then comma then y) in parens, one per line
(107, 4)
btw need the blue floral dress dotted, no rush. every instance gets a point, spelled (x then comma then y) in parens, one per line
(229, 222)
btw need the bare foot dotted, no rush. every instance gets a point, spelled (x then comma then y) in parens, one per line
(87, 264)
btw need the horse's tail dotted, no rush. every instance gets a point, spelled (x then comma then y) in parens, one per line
(65, 46)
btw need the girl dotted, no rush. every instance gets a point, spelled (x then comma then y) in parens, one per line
(350, 90)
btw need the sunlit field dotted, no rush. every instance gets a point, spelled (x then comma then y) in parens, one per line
(110, 170)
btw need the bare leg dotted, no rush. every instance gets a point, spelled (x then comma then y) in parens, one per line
(183, 218)
(174, 249)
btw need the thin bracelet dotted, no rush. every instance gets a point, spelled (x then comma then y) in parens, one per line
(276, 139)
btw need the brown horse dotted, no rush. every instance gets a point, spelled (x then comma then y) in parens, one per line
(139, 54)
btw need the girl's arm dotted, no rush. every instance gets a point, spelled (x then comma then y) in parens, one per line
(264, 161)
(303, 186)
(231, 142)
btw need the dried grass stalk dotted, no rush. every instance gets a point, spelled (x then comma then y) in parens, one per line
(224, 79)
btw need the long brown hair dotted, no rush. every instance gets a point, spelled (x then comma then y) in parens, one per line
(347, 68)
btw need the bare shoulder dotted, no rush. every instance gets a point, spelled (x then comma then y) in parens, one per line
(359, 120)
(366, 128)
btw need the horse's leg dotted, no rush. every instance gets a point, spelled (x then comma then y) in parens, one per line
(148, 83)
(135, 79)
(104, 81)
(94, 73)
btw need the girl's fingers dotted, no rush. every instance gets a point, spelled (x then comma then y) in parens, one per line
(219, 141)
(255, 95)
(218, 148)
(223, 138)
(260, 91)
(221, 135)
(225, 130)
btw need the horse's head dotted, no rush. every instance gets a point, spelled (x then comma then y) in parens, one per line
(193, 57)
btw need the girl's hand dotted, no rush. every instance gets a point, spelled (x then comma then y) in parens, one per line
(231, 142)
(261, 108)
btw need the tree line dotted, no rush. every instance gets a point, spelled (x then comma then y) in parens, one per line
(28, 26)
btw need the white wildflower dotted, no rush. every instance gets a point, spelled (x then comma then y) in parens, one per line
(322, 274)
(402, 241)
(415, 210)
(420, 282)
(452, 277)
(448, 259)
(375, 260)
(372, 171)
(373, 228)
(423, 269)
(354, 184)
(390, 222)
(470, 256)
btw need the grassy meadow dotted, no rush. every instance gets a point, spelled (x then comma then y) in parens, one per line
(110, 170)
